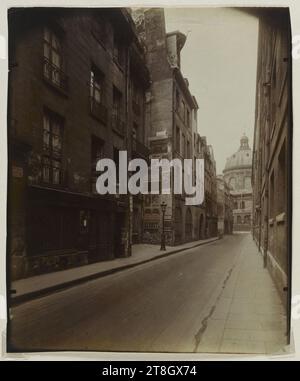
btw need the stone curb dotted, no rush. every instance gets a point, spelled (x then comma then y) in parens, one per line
(15, 300)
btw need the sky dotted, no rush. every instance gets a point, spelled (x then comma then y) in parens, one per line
(219, 59)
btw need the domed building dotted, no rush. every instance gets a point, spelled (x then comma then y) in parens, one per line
(237, 174)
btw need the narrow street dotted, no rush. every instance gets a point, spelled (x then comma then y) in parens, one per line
(187, 302)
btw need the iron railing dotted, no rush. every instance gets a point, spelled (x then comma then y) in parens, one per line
(55, 75)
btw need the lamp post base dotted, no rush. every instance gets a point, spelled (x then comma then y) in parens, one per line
(163, 242)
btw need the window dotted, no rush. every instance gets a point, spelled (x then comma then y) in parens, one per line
(116, 160)
(117, 103)
(134, 131)
(188, 224)
(178, 224)
(117, 122)
(96, 85)
(274, 74)
(97, 153)
(183, 146)
(52, 148)
(118, 51)
(238, 220)
(188, 118)
(274, 103)
(247, 219)
(272, 195)
(84, 217)
(235, 205)
(177, 139)
(282, 180)
(187, 149)
(53, 59)
(199, 148)
(134, 136)
(177, 100)
(136, 99)
(248, 182)
(232, 182)
(182, 110)
(98, 110)
(242, 205)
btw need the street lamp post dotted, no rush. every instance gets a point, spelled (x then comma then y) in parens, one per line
(163, 206)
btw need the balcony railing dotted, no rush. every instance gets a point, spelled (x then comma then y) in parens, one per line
(55, 75)
(136, 108)
(98, 110)
(117, 124)
(139, 149)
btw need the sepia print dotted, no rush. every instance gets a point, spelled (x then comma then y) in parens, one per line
(90, 270)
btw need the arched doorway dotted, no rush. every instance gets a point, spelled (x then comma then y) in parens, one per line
(178, 225)
(188, 225)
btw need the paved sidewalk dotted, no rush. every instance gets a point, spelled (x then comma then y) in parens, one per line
(247, 315)
(29, 288)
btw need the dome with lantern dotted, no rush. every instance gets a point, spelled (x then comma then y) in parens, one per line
(242, 158)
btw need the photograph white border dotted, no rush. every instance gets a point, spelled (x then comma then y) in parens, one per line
(294, 6)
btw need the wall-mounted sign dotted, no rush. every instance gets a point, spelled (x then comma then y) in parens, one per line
(17, 172)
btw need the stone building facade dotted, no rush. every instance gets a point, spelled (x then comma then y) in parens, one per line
(237, 174)
(172, 118)
(210, 188)
(272, 149)
(77, 88)
(225, 207)
(200, 211)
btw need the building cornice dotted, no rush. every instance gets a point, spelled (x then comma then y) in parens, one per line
(182, 83)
